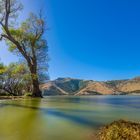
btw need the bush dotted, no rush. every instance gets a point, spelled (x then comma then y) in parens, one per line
(120, 130)
(4, 94)
(29, 94)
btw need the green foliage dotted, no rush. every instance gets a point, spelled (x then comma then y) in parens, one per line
(12, 48)
(15, 79)
(28, 94)
(4, 94)
(30, 37)
(27, 41)
(2, 69)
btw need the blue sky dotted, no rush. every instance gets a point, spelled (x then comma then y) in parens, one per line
(89, 39)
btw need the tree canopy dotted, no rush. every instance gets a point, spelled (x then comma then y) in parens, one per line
(14, 79)
(27, 40)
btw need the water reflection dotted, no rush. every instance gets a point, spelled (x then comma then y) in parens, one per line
(57, 113)
(18, 123)
(63, 118)
(131, 101)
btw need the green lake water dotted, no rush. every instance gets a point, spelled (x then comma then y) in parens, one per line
(63, 118)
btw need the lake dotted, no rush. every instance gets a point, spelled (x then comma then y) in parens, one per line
(63, 117)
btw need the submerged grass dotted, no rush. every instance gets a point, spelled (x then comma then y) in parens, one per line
(120, 130)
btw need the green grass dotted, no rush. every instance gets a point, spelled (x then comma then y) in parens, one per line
(28, 94)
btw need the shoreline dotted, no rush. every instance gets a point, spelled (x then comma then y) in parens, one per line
(23, 97)
(11, 97)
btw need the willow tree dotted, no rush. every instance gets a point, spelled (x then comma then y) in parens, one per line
(26, 40)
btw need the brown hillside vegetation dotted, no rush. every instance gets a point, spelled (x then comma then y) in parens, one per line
(69, 86)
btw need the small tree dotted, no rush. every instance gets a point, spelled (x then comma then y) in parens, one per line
(14, 79)
(26, 40)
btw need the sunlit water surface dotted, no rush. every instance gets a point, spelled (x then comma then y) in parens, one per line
(63, 118)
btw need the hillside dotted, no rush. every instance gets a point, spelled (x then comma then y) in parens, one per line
(70, 86)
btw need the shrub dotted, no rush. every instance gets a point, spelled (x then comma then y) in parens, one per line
(29, 94)
(120, 130)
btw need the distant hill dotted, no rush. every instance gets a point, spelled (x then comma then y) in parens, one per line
(70, 86)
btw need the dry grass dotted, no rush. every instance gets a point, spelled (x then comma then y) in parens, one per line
(120, 130)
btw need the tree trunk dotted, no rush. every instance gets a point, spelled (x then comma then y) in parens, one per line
(36, 92)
